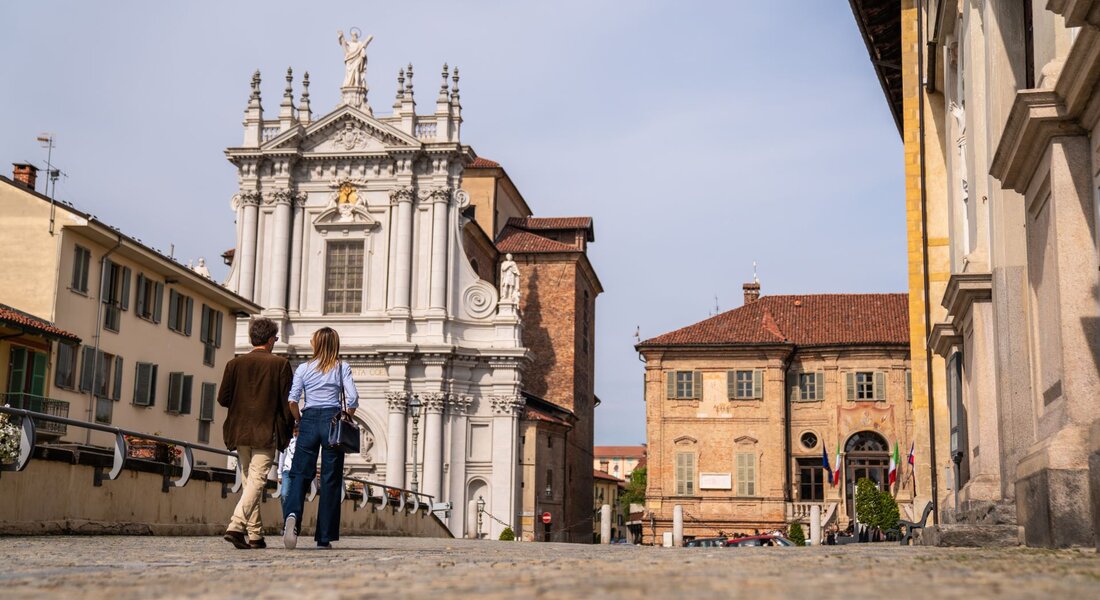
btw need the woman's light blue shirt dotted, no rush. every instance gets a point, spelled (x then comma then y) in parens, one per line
(323, 389)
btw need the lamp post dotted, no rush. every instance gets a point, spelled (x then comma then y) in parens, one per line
(414, 408)
(480, 510)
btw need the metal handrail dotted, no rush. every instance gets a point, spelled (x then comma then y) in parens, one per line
(28, 436)
(385, 497)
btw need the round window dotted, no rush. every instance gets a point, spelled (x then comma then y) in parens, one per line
(809, 440)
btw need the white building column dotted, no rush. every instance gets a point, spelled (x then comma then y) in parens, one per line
(440, 206)
(505, 485)
(433, 444)
(403, 275)
(395, 442)
(250, 201)
(297, 225)
(280, 252)
(458, 408)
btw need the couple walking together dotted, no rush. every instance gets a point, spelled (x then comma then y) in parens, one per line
(266, 401)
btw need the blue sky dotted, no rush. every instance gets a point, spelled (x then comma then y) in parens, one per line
(701, 136)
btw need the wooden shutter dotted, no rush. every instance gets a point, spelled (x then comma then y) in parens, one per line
(78, 269)
(204, 329)
(37, 365)
(173, 310)
(152, 385)
(185, 395)
(731, 384)
(819, 378)
(175, 387)
(794, 389)
(758, 384)
(206, 407)
(116, 394)
(124, 300)
(87, 369)
(670, 384)
(218, 329)
(697, 384)
(141, 384)
(105, 280)
(18, 370)
(158, 299)
(880, 385)
(139, 297)
(189, 308)
(850, 383)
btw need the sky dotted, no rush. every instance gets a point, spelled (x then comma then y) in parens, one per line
(701, 136)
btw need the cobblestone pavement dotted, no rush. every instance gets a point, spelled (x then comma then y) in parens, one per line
(151, 567)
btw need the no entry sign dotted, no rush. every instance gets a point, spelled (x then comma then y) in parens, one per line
(546, 518)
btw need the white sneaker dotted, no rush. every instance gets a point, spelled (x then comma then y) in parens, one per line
(290, 534)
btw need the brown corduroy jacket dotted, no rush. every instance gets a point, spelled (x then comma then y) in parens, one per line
(255, 388)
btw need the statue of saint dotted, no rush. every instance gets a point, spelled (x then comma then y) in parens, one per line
(355, 58)
(509, 280)
(201, 268)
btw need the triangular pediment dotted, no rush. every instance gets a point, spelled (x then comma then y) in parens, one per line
(344, 130)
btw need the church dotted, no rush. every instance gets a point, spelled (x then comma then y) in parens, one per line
(358, 222)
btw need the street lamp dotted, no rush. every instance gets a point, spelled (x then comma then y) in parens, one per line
(480, 510)
(414, 408)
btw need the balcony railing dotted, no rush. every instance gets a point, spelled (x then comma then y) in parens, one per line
(40, 404)
(799, 512)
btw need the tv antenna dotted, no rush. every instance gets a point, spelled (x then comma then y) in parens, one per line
(52, 174)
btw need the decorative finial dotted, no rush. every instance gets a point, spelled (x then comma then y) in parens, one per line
(305, 88)
(454, 88)
(289, 92)
(409, 83)
(256, 85)
(401, 83)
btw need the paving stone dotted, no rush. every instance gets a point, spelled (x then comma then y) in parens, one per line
(120, 568)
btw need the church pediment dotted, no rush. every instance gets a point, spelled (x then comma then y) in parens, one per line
(346, 209)
(342, 131)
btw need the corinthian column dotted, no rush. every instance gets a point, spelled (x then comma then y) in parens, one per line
(280, 251)
(403, 277)
(440, 198)
(395, 445)
(433, 443)
(458, 407)
(506, 411)
(296, 226)
(250, 200)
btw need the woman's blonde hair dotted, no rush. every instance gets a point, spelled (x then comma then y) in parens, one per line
(326, 348)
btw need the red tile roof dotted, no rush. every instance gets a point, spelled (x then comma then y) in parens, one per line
(483, 163)
(808, 320)
(618, 451)
(519, 241)
(534, 414)
(552, 223)
(598, 474)
(32, 324)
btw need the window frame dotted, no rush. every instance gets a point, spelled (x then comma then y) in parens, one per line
(347, 307)
(180, 303)
(179, 393)
(864, 386)
(684, 473)
(817, 479)
(150, 398)
(82, 263)
(745, 474)
(58, 381)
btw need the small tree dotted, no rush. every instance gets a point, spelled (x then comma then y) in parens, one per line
(797, 535)
(866, 501)
(635, 490)
(886, 512)
(507, 535)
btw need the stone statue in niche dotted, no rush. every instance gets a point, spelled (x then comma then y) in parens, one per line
(366, 444)
(355, 58)
(509, 280)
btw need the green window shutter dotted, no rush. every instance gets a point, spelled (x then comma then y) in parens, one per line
(18, 370)
(188, 310)
(670, 384)
(205, 325)
(117, 392)
(141, 384)
(731, 384)
(124, 300)
(173, 310)
(758, 384)
(218, 329)
(105, 280)
(185, 395)
(38, 372)
(78, 263)
(158, 300)
(880, 385)
(153, 386)
(850, 381)
(175, 387)
(139, 297)
(206, 409)
(819, 377)
(87, 369)
(697, 385)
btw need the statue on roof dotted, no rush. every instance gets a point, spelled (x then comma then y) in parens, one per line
(355, 58)
(509, 281)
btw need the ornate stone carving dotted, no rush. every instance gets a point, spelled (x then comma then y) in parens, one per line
(433, 402)
(397, 401)
(460, 405)
(352, 136)
(479, 299)
(437, 194)
(507, 405)
(366, 443)
(509, 281)
(355, 59)
(403, 194)
(248, 197)
(462, 199)
(284, 197)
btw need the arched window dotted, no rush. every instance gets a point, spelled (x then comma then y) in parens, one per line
(866, 441)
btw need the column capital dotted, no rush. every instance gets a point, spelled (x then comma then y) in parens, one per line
(439, 194)
(459, 404)
(397, 401)
(507, 405)
(285, 196)
(433, 402)
(404, 193)
(247, 198)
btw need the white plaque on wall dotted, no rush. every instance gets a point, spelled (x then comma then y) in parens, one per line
(715, 481)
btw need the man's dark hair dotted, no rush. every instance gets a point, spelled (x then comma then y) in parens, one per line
(260, 330)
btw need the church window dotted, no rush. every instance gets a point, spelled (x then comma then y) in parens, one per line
(685, 473)
(746, 474)
(180, 309)
(746, 384)
(344, 277)
(82, 258)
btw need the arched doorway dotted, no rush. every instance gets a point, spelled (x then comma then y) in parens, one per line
(866, 456)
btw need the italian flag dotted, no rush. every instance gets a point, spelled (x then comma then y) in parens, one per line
(895, 458)
(836, 469)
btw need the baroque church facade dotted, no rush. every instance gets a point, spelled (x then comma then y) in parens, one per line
(355, 221)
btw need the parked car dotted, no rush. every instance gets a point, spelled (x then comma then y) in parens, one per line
(717, 542)
(759, 540)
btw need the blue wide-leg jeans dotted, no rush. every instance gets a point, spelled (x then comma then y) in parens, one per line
(313, 438)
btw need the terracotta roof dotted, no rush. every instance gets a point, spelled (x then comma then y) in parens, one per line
(519, 241)
(598, 474)
(618, 451)
(809, 320)
(32, 324)
(483, 163)
(537, 223)
(533, 414)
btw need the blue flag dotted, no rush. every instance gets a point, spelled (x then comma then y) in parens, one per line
(825, 463)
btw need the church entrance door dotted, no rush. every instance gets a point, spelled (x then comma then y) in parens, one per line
(866, 456)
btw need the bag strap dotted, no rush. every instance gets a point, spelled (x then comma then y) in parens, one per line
(343, 395)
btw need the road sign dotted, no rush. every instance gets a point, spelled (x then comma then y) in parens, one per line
(546, 518)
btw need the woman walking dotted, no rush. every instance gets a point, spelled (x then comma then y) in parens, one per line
(315, 398)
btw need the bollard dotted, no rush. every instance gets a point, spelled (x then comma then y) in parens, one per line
(666, 539)
(678, 525)
(605, 524)
(815, 525)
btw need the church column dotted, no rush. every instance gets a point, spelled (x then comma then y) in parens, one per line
(250, 200)
(395, 444)
(297, 225)
(433, 444)
(280, 252)
(458, 407)
(403, 277)
(440, 205)
(505, 488)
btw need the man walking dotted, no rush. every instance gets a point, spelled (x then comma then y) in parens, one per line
(254, 388)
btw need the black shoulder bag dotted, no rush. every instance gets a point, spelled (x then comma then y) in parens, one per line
(342, 431)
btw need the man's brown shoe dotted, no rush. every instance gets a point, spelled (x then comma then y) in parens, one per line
(257, 544)
(237, 539)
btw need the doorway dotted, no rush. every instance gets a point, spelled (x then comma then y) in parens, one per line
(866, 456)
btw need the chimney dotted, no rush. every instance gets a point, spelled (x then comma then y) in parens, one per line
(25, 174)
(752, 292)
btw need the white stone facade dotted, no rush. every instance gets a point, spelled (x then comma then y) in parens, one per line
(425, 325)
